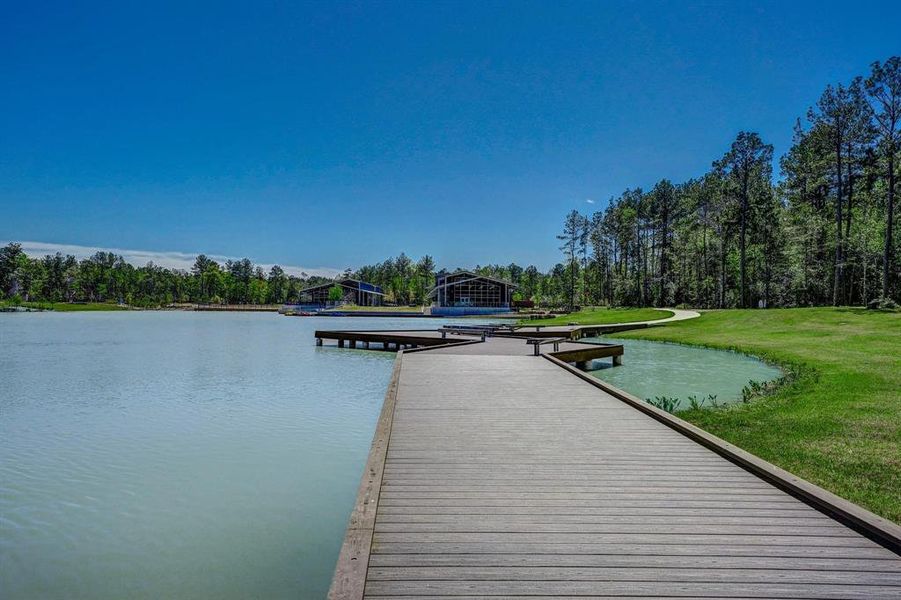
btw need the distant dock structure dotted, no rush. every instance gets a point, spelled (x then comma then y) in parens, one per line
(491, 340)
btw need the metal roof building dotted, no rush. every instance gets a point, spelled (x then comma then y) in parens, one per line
(467, 293)
(353, 291)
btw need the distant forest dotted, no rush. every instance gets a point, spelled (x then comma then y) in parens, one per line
(822, 234)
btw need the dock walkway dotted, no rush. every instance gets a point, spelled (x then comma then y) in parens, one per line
(510, 476)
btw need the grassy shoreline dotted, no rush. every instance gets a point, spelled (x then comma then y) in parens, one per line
(837, 419)
(604, 316)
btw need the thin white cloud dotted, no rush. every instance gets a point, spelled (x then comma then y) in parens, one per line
(589, 200)
(170, 260)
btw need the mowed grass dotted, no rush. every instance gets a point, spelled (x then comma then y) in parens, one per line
(603, 316)
(838, 423)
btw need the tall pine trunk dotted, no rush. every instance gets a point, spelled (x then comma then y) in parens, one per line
(722, 273)
(838, 265)
(889, 222)
(744, 230)
(849, 272)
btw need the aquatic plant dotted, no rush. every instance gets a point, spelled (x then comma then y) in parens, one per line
(710, 401)
(664, 403)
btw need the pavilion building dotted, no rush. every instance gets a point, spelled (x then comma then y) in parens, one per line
(466, 293)
(353, 291)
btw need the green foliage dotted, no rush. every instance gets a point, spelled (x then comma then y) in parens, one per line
(664, 403)
(731, 238)
(106, 278)
(335, 293)
(710, 402)
(882, 304)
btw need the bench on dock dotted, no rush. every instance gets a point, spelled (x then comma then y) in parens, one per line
(481, 330)
(502, 327)
(463, 330)
(536, 342)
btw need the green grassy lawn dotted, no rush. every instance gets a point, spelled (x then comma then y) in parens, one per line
(603, 316)
(838, 422)
(69, 307)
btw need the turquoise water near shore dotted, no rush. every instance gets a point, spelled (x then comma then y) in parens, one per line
(206, 455)
(652, 369)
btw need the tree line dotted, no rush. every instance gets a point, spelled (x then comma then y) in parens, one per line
(733, 237)
(107, 277)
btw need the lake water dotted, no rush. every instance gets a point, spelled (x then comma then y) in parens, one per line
(179, 454)
(209, 455)
(652, 369)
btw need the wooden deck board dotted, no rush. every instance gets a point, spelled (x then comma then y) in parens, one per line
(506, 476)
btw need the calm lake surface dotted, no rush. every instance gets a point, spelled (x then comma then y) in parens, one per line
(652, 369)
(180, 454)
(210, 455)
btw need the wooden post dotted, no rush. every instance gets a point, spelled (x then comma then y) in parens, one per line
(353, 343)
(366, 345)
(318, 341)
(340, 343)
(617, 360)
(583, 364)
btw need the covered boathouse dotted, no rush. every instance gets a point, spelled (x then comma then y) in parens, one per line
(353, 291)
(467, 293)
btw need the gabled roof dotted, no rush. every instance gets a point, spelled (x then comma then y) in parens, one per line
(472, 275)
(477, 276)
(348, 283)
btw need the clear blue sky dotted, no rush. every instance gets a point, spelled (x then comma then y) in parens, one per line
(336, 134)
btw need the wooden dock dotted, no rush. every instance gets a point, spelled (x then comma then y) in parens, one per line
(581, 353)
(504, 475)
